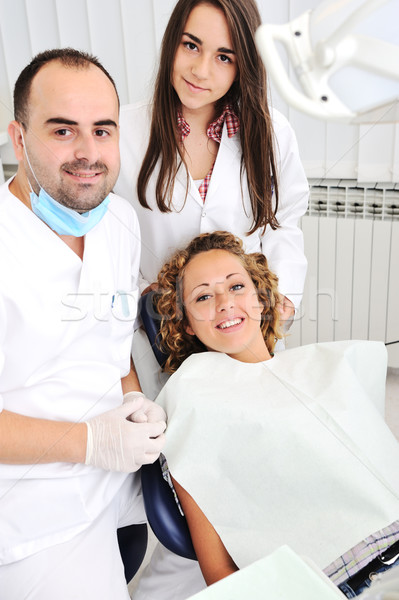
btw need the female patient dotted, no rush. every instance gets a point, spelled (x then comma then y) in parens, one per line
(268, 450)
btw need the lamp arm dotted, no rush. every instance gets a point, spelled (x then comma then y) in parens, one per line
(372, 54)
(314, 66)
(301, 56)
(348, 26)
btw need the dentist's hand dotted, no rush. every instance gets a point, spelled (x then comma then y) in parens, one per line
(149, 412)
(116, 443)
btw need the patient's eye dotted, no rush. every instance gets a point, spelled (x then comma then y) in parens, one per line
(237, 286)
(203, 297)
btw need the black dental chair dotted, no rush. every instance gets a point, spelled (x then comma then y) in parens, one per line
(163, 514)
(132, 541)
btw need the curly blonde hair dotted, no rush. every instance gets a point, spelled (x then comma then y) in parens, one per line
(173, 337)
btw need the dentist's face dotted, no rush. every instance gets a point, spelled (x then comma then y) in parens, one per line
(222, 306)
(72, 135)
(205, 63)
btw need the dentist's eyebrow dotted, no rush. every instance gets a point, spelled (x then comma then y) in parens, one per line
(199, 42)
(63, 121)
(106, 123)
(60, 121)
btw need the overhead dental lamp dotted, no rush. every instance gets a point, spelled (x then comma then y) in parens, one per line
(345, 58)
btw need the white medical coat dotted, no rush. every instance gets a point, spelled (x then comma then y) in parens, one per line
(66, 327)
(289, 451)
(225, 207)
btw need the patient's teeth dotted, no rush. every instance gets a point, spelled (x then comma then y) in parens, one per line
(227, 324)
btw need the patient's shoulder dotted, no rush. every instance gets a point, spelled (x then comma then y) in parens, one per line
(200, 367)
(208, 357)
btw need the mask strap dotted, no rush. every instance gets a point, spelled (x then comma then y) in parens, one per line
(30, 166)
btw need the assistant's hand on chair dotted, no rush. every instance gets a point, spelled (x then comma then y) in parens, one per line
(153, 287)
(116, 441)
(287, 312)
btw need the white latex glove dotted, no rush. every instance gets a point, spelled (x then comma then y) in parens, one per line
(150, 411)
(115, 443)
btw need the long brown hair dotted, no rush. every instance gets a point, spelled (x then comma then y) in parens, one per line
(173, 337)
(248, 97)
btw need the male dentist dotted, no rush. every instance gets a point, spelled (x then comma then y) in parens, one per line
(74, 426)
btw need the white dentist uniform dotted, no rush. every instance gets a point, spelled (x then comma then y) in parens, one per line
(65, 338)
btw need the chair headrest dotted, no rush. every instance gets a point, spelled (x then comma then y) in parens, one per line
(151, 321)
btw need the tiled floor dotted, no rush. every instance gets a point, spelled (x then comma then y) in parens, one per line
(392, 418)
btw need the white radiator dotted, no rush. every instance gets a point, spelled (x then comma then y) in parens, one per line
(351, 237)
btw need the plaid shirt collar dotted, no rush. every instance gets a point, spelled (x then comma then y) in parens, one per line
(215, 128)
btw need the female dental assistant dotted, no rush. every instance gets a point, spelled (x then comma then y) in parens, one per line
(224, 207)
(208, 155)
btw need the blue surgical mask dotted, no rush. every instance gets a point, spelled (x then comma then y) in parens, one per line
(60, 218)
(64, 220)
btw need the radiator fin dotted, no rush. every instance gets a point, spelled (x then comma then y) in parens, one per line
(347, 198)
(351, 235)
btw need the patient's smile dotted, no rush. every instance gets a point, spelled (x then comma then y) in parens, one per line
(222, 306)
(228, 324)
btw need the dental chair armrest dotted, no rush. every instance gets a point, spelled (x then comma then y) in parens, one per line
(163, 514)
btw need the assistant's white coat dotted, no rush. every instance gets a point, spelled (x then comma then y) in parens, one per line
(225, 207)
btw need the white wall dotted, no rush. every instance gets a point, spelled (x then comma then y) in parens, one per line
(126, 35)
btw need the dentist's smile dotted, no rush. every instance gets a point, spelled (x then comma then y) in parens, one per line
(84, 178)
(84, 175)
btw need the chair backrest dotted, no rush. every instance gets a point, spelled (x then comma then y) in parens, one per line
(163, 514)
(151, 321)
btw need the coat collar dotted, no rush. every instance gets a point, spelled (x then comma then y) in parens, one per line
(225, 161)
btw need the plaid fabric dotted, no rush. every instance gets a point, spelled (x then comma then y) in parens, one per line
(214, 132)
(183, 126)
(203, 188)
(215, 129)
(358, 557)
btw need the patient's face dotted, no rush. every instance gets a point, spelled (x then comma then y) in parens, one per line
(222, 306)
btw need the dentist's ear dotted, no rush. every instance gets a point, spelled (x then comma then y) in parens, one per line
(15, 133)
